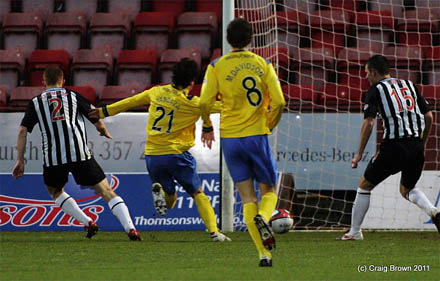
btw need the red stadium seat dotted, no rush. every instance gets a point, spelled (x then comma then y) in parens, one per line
(433, 65)
(305, 6)
(303, 98)
(91, 68)
(112, 94)
(3, 98)
(329, 28)
(5, 7)
(351, 66)
(42, 7)
(432, 94)
(129, 7)
(197, 30)
(176, 7)
(109, 31)
(216, 54)
(195, 91)
(65, 31)
(40, 59)
(86, 7)
(374, 29)
(291, 25)
(12, 64)
(405, 62)
(85, 91)
(136, 67)
(395, 6)
(22, 31)
(172, 56)
(213, 6)
(283, 60)
(152, 30)
(21, 96)
(313, 66)
(342, 98)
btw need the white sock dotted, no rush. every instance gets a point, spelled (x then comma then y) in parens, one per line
(120, 210)
(69, 205)
(417, 197)
(360, 208)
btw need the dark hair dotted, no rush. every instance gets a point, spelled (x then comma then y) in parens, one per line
(239, 33)
(52, 75)
(184, 72)
(379, 63)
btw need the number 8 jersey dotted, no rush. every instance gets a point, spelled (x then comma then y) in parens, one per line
(250, 94)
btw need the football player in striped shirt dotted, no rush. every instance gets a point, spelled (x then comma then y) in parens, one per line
(171, 133)
(252, 105)
(407, 121)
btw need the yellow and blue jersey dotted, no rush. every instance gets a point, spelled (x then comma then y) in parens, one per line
(172, 117)
(250, 94)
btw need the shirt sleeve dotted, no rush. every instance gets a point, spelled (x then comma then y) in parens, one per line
(277, 101)
(30, 117)
(125, 104)
(208, 94)
(421, 102)
(84, 107)
(371, 106)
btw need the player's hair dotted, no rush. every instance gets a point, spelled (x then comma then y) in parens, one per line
(52, 75)
(239, 33)
(184, 72)
(379, 63)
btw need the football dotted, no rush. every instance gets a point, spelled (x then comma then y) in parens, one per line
(281, 221)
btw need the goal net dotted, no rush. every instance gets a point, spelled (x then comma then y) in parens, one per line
(319, 49)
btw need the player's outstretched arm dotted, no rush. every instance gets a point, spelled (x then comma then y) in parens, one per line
(102, 129)
(366, 129)
(18, 169)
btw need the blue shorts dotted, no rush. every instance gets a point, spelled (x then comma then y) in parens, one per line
(250, 158)
(166, 169)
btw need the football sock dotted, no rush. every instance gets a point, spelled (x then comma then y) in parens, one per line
(419, 198)
(69, 205)
(170, 200)
(120, 210)
(250, 210)
(267, 205)
(206, 212)
(360, 208)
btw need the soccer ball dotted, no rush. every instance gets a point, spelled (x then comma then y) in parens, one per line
(281, 221)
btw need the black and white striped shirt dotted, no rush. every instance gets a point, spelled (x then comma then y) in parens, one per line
(60, 114)
(400, 105)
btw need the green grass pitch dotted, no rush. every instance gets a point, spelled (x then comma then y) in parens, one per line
(190, 255)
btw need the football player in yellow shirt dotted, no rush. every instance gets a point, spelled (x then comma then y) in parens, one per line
(252, 105)
(171, 132)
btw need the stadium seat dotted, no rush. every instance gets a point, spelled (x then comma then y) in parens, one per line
(40, 59)
(91, 68)
(433, 65)
(5, 7)
(283, 60)
(129, 7)
(213, 6)
(197, 30)
(395, 6)
(109, 31)
(341, 98)
(195, 91)
(374, 29)
(3, 99)
(86, 7)
(328, 29)
(312, 66)
(216, 54)
(136, 67)
(22, 31)
(12, 64)
(65, 31)
(432, 94)
(291, 25)
(302, 98)
(21, 96)
(417, 27)
(305, 6)
(85, 91)
(152, 30)
(176, 7)
(172, 56)
(42, 7)
(405, 62)
(351, 67)
(111, 94)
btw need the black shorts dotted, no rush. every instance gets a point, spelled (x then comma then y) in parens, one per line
(405, 155)
(86, 173)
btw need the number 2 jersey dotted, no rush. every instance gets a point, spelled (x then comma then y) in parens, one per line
(400, 105)
(171, 120)
(250, 93)
(60, 114)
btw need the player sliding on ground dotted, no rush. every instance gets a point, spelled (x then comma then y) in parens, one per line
(60, 114)
(248, 86)
(170, 129)
(407, 121)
